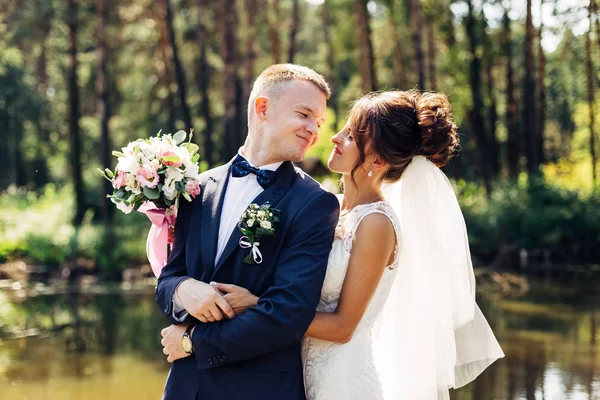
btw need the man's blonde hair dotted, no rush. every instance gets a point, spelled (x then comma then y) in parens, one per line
(272, 82)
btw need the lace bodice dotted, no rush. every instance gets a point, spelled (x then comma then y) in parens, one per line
(346, 371)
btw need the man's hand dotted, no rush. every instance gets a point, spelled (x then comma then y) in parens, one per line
(238, 297)
(203, 301)
(171, 342)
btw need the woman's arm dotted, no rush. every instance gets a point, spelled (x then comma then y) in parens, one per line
(372, 251)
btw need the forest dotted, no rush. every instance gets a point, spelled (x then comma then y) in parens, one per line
(80, 78)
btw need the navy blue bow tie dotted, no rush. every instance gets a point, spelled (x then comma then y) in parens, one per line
(241, 168)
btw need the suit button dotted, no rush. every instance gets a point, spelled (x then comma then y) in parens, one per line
(210, 362)
(167, 309)
(223, 358)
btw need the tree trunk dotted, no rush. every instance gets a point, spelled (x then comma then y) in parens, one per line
(167, 15)
(529, 93)
(40, 165)
(476, 114)
(590, 92)
(294, 30)
(366, 65)
(331, 75)
(431, 51)
(251, 12)
(227, 23)
(595, 12)
(417, 34)
(492, 117)
(397, 55)
(203, 78)
(273, 18)
(162, 47)
(103, 106)
(541, 117)
(512, 127)
(74, 134)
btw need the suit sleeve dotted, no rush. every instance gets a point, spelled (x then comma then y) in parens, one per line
(286, 309)
(175, 271)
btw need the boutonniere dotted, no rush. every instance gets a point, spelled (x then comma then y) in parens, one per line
(256, 222)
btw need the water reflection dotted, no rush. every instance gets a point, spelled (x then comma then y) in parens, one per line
(106, 346)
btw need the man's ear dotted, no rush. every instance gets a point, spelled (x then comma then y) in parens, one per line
(261, 104)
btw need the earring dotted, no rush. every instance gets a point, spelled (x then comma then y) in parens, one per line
(370, 174)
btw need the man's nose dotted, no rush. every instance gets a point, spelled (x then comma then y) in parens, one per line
(312, 128)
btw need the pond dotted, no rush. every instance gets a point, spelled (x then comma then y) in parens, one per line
(104, 343)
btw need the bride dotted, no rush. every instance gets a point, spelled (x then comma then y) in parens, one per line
(397, 318)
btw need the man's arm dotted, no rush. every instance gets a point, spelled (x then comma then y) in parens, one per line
(175, 271)
(197, 299)
(285, 310)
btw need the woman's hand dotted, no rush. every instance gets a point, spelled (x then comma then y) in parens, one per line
(238, 297)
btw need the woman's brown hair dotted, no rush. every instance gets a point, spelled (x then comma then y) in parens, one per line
(399, 125)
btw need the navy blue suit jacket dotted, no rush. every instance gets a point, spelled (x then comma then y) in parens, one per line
(257, 354)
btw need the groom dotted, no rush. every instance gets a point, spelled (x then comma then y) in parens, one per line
(255, 355)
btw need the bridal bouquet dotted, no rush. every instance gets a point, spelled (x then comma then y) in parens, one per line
(151, 175)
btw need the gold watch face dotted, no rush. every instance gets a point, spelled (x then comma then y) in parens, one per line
(186, 342)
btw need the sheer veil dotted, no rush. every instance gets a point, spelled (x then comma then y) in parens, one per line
(432, 335)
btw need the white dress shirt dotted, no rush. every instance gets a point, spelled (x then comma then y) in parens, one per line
(239, 193)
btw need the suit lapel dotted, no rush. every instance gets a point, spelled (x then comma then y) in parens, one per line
(212, 205)
(273, 194)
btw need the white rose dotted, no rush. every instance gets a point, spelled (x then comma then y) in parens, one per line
(261, 213)
(174, 174)
(265, 224)
(169, 189)
(128, 164)
(124, 207)
(250, 223)
(155, 164)
(147, 149)
(191, 170)
(184, 154)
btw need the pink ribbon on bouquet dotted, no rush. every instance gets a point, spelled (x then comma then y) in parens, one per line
(158, 236)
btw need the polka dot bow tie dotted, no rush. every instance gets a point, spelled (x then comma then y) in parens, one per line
(241, 168)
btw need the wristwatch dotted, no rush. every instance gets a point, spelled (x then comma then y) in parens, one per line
(186, 340)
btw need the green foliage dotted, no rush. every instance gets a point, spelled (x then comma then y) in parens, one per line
(38, 229)
(540, 216)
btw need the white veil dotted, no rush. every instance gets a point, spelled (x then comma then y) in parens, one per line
(432, 335)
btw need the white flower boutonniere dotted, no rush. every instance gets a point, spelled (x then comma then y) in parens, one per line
(256, 222)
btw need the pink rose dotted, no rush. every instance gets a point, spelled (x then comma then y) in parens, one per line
(147, 177)
(170, 163)
(192, 187)
(119, 180)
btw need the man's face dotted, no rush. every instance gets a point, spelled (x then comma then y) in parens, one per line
(293, 120)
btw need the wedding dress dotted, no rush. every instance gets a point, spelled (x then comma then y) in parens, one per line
(334, 371)
(422, 332)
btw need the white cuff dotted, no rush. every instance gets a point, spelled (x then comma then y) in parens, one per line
(179, 314)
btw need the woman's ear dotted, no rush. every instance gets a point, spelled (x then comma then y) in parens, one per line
(378, 163)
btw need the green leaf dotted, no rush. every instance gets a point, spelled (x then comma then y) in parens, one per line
(264, 232)
(152, 194)
(195, 158)
(180, 186)
(179, 137)
(118, 154)
(187, 196)
(192, 148)
(249, 259)
(120, 194)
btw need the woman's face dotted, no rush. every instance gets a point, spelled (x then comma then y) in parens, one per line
(345, 154)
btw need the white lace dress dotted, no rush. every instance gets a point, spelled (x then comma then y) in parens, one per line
(334, 371)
